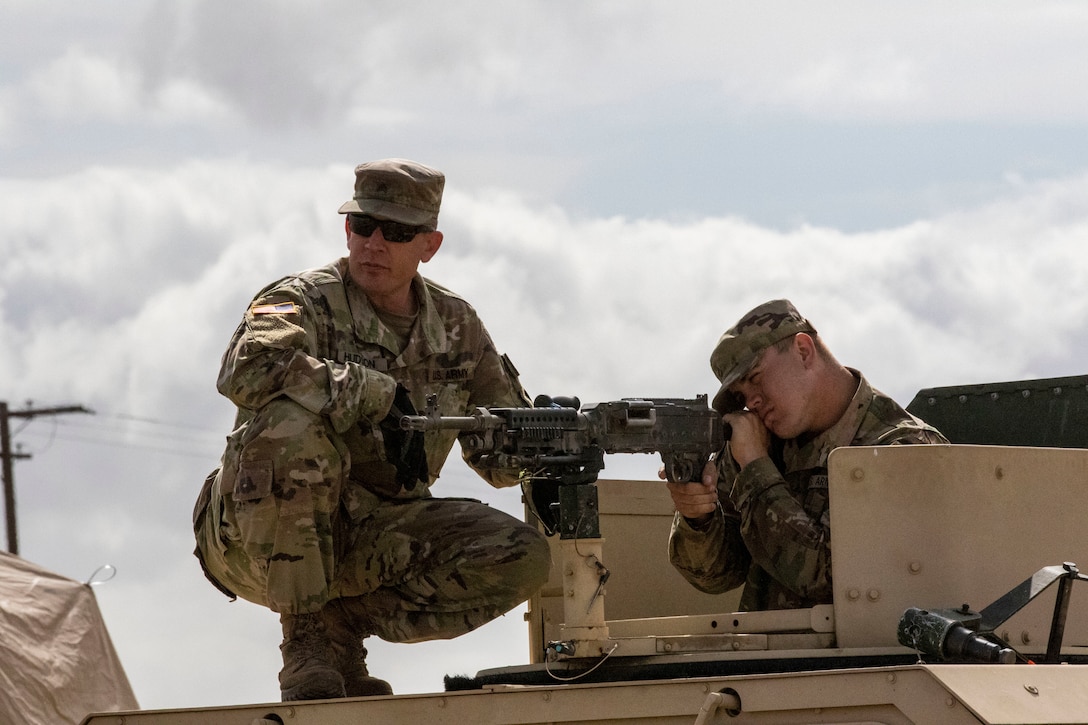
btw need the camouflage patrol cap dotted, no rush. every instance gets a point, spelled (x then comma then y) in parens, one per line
(399, 190)
(739, 347)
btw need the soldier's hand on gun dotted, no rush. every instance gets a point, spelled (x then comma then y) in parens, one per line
(750, 440)
(404, 449)
(696, 500)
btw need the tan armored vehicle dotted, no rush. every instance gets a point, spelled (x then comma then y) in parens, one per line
(955, 598)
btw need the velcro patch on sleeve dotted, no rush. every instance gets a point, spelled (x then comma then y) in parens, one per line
(277, 308)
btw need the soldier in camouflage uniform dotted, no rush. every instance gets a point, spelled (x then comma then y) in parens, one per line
(321, 508)
(760, 515)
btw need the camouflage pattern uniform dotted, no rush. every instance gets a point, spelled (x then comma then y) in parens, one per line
(305, 508)
(771, 531)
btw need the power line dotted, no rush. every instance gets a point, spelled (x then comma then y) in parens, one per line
(127, 431)
(8, 455)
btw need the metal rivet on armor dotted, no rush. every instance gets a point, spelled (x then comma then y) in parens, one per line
(873, 594)
(858, 474)
(853, 594)
(915, 567)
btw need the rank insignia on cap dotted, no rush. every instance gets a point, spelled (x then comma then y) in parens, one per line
(279, 308)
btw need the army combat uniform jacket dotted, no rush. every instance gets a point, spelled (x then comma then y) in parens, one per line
(316, 339)
(313, 370)
(771, 532)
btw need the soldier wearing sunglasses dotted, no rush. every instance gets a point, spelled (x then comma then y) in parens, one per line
(321, 508)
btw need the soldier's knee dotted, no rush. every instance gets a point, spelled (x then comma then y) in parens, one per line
(536, 558)
(291, 436)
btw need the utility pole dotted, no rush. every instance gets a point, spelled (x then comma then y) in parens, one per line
(8, 455)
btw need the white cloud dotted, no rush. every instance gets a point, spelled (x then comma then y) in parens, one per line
(82, 86)
(890, 62)
(79, 85)
(200, 62)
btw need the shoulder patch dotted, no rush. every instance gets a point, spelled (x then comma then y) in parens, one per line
(277, 308)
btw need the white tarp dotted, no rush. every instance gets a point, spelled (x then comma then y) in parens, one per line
(57, 663)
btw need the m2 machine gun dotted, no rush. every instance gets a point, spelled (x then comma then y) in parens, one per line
(559, 445)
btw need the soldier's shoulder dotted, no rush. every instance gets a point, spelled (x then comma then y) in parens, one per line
(448, 302)
(885, 409)
(890, 422)
(330, 274)
(306, 282)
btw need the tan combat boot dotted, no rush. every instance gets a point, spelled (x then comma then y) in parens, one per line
(346, 629)
(308, 672)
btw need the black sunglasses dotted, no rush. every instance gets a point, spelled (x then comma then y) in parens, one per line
(364, 225)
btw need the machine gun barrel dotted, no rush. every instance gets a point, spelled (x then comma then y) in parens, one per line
(426, 423)
(557, 440)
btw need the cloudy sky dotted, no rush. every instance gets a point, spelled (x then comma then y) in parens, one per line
(624, 180)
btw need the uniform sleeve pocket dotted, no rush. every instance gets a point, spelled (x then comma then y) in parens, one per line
(254, 481)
